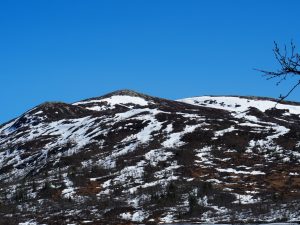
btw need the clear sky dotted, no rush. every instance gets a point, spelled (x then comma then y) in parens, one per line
(68, 50)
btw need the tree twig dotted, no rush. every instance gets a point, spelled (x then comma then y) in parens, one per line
(289, 62)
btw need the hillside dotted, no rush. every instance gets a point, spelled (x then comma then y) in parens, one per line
(127, 158)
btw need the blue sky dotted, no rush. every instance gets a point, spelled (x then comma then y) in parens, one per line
(67, 50)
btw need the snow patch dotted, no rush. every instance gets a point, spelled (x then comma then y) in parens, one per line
(238, 104)
(114, 100)
(174, 139)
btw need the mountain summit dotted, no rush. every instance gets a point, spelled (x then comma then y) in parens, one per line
(128, 158)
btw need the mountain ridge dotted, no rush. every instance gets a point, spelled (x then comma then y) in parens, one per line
(130, 92)
(127, 157)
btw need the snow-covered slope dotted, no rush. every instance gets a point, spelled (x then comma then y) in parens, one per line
(128, 157)
(241, 104)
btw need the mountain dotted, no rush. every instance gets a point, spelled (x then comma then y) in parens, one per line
(127, 158)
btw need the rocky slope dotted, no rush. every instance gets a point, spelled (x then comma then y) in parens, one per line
(131, 158)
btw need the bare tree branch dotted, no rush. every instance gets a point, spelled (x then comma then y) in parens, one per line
(289, 62)
(281, 98)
